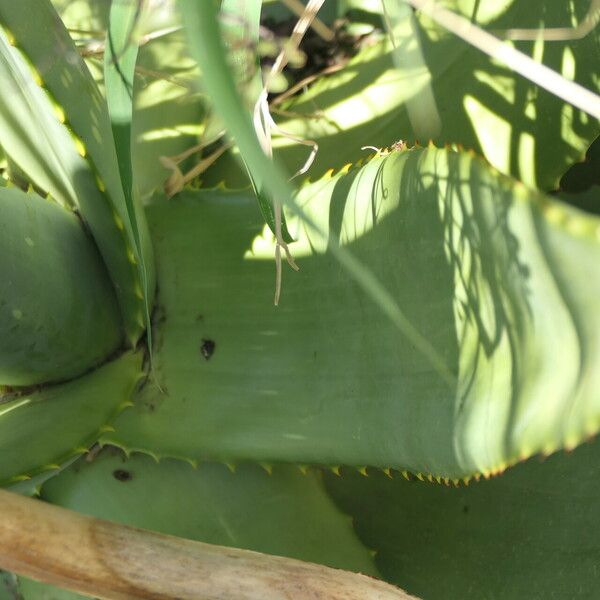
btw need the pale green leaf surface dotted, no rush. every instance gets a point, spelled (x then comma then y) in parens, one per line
(532, 533)
(43, 429)
(61, 70)
(284, 513)
(445, 83)
(202, 27)
(501, 281)
(58, 311)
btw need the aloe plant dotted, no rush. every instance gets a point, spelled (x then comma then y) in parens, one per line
(442, 329)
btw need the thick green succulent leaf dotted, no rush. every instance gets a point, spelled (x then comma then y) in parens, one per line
(283, 512)
(59, 315)
(500, 281)
(532, 533)
(42, 429)
(56, 65)
(442, 88)
(279, 511)
(8, 586)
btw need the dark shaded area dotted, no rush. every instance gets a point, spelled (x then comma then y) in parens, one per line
(122, 475)
(580, 185)
(207, 348)
(9, 587)
(318, 53)
(531, 533)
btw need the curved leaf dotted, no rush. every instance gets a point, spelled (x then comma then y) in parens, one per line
(279, 511)
(56, 64)
(58, 312)
(42, 429)
(500, 280)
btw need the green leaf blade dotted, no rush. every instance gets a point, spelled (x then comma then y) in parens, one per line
(43, 429)
(119, 73)
(58, 312)
(99, 196)
(478, 265)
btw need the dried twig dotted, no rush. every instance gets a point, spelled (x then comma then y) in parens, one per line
(106, 560)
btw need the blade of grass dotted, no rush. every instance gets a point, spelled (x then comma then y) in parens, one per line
(206, 47)
(120, 56)
(241, 27)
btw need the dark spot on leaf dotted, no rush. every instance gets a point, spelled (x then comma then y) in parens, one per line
(465, 509)
(122, 475)
(207, 348)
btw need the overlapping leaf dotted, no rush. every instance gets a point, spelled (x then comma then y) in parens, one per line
(43, 429)
(498, 280)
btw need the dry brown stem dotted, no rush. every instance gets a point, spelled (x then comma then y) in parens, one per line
(107, 560)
